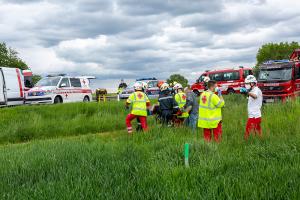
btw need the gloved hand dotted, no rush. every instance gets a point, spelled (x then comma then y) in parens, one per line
(149, 112)
(126, 107)
(243, 90)
(219, 92)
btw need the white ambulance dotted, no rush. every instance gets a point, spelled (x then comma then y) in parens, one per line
(11, 87)
(59, 89)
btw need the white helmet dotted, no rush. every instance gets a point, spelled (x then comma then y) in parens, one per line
(145, 85)
(250, 79)
(177, 86)
(164, 86)
(138, 85)
(206, 79)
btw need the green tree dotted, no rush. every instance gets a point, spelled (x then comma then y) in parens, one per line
(179, 79)
(274, 51)
(9, 58)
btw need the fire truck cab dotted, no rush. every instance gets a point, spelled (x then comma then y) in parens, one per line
(229, 80)
(279, 80)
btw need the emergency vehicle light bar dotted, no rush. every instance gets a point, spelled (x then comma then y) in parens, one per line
(54, 75)
(145, 79)
(269, 62)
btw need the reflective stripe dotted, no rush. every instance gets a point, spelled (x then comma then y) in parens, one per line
(207, 107)
(209, 119)
(168, 97)
(138, 109)
(180, 98)
(219, 103)
(209, 100)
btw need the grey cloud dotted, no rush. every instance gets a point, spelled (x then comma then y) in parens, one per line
(174, 7)
(149, 37)
(224, 22)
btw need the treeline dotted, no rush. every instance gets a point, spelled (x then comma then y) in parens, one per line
(275, 51)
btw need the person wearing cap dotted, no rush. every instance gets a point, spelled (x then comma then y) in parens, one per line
(210, 112)
(140, 105)
(254, 106)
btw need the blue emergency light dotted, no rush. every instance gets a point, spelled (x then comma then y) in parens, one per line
(269, 62)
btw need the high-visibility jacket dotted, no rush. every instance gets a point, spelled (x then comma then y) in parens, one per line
(180, 98)
(138, 101)
(210, 113)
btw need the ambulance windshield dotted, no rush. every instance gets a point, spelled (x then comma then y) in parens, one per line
(49, 81)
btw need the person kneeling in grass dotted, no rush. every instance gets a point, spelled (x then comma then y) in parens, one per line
(254, 107)
(139, 106)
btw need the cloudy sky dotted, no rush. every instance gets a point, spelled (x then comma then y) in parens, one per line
(115, 39)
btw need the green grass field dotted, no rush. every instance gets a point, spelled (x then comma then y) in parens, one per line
(82, 151)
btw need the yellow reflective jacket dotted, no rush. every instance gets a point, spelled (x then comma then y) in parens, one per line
(180, 98)
(138, 101)
(210, 113)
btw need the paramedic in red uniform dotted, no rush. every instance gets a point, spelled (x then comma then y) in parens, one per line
(254, 107)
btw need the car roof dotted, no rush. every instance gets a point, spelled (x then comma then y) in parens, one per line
(225, 70)
(63, 77)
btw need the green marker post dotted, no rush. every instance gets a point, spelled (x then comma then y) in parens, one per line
(186, 154)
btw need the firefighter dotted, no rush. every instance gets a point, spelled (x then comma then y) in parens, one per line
(171, 87)
(122, 86)
(254, 106)
(210, 113)
(139, 105)
(167, 105)
(180, 98)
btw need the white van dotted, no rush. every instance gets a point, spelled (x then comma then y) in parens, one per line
(11, 87)
(59, 89)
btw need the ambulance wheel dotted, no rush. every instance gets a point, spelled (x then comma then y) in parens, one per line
(57, 100)
(230, 91)
(86, 99)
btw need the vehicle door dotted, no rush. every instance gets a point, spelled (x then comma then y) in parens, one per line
(14, 86)
(65, 90)
(77, 89)
(297, 80)
(232, 80)
(2, 89)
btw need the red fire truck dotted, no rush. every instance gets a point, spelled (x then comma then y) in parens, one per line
(229, 80)
(279, 80)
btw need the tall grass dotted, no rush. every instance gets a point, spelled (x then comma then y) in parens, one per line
(150, 166)
(24, 123)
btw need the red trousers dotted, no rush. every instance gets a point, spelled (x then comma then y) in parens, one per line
(216, 131)
(253, 126)
(131, 117)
